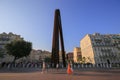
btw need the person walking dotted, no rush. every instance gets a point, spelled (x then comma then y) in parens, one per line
(57, 66)
(69, 70)
(43, 67)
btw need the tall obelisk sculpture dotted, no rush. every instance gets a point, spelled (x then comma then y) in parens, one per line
(55, 42)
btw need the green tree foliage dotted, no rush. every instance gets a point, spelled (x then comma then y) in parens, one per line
(83, 60)
(19, 48)
(1, 52)
(47, 59)
(79, 59)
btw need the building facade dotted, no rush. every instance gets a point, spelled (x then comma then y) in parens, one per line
(38, 55)
(7, 38)
(60, 57)
(35, 55)
(101, 48)
(77, 54)
(70, 56)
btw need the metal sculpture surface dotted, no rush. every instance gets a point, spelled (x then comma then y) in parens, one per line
(57, 33)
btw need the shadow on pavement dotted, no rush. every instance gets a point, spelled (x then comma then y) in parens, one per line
(18, 70)
(81, 74)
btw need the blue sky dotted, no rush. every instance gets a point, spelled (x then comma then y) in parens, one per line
(34, 19)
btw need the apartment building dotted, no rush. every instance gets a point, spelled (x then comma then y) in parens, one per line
(77, 54)
(69, 56)
(101, 48)
(38, 55)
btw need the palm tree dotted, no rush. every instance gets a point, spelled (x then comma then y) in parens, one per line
(89, 60)
(83, 60)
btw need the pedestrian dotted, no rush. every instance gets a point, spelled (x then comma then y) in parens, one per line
(71, 65)
(57, 66)
(43, 67)
(69, 70)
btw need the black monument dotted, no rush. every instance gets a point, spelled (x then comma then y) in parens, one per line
(57, 33)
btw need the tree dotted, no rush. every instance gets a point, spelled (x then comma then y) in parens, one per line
(1, 53)
(47, 59)
(89, 60)
(83, 60)
(79, 59)
(19, 48)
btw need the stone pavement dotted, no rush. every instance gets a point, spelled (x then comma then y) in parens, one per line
(61, 75)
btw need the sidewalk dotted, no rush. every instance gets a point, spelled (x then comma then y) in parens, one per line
(61, 75)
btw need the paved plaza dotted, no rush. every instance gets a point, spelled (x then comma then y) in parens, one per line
(61, 75)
